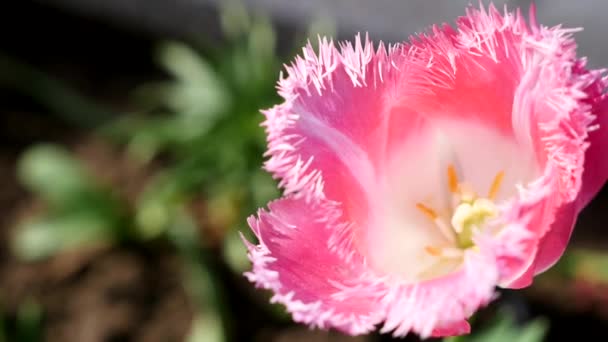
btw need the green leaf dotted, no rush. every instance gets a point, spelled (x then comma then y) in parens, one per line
(158, 206)
(235, 253)
(262, 40)
(206, 328)
(198, 91)
(234, 18)
(29, 321)
(52, 172)
(504, 329)
(321, 26)
(39, 239)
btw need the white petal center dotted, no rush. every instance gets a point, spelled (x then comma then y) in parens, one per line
(435, 191)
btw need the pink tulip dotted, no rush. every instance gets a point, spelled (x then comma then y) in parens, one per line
(420, 176)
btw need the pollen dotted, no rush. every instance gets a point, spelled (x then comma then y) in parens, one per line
(470, 212)
(469, 217)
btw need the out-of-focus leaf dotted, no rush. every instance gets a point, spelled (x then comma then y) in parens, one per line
(79, 210)
(504, 329)
(3, 328)
(234, 18)
(185, 108)
(263, 188)
(29, 322)
(534, 332)
(252, 67)
(581, 264)
(262, 40)
(52, 172)
(43, 238)
(590, 265)
(235, 253)
(206, 328)
(321, 26)
(201, 280)
(198, 91)
(149, 137)
(158, 206)
(152, 218)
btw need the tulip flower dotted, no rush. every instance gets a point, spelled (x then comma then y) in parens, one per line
(421, 176)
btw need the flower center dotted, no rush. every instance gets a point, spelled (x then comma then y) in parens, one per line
(469, 213)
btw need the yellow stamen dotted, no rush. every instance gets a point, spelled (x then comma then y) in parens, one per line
(434, 251)
(452, 179)
(496, 185)
(430, 213)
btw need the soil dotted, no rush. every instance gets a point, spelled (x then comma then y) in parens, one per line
(98, 293)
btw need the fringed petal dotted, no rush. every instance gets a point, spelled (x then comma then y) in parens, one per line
(595, 173)
(558, 101)
(454, 329)
(294, 260)
(544, 97)
(441, 306)
(348, 113)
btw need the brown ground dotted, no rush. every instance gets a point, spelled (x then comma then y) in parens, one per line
(98, 293)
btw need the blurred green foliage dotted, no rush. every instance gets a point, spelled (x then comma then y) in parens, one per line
(504, 329)
(202, 126)
(586, 264)
(79, 210)
(29, 322)
(203, 122)
(27, 326)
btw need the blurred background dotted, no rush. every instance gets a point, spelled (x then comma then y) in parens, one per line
(131, 154)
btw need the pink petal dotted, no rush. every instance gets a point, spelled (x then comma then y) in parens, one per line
(571, 146)
(313, 150)
(595, 173)
(454, 329)
(553, 111)
(319, 289)
(294, 261)
(596, 164)
(360, 139)
(440, 306)
(553, 244)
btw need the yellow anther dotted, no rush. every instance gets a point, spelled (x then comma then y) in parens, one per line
(495, 187)
(470, 216)
(434, 251)
(452, 179)
(430, 213)
(469, 213)
(461, 215)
